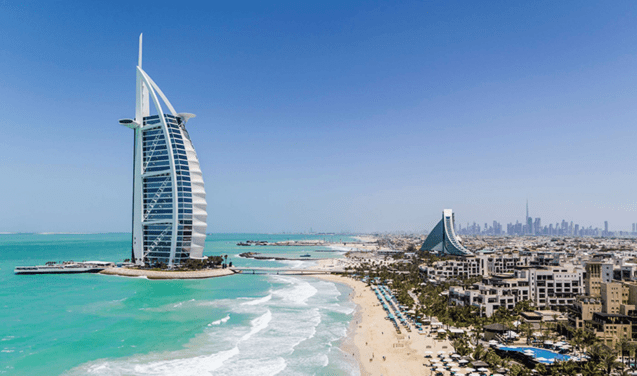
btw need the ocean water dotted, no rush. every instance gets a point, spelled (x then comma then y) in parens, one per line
(91, 324)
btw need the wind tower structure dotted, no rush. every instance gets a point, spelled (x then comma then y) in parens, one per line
(169, 198)
(443, 239)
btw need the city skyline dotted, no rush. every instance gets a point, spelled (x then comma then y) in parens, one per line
(341, 117)
(534, 226)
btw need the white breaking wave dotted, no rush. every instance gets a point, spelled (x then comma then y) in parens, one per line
(258, 325)
(258, 301)
(300, 291)
(220, 321)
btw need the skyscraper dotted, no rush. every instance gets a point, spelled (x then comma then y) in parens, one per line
(529, 221)
(169, 199)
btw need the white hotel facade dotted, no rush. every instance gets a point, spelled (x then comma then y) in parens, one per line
(169, 198)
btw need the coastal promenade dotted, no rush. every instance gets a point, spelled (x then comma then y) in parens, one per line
(156, 274)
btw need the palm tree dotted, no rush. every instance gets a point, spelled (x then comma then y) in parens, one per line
(578, 338)
(568, 368)
(525, 328)
(592, 369)
(623, 346)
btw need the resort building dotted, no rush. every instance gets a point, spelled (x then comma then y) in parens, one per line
(443, 239)
(506, 262)
(492, 293)
(610, 328)
(462, 267)
(582, 310)
(554, 288)
(596, 273)
(169, 199)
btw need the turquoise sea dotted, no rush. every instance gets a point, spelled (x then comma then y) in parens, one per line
(92, 324)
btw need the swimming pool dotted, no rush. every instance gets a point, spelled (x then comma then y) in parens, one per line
(549, 355)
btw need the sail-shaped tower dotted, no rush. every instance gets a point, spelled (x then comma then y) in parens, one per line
(443, 239)
(169, 198)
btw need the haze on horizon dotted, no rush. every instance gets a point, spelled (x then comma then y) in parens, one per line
(357, 116)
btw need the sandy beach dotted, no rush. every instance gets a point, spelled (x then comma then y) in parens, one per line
(372, 337)
(154, 274)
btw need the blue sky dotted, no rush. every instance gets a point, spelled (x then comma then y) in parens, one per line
(353, 116)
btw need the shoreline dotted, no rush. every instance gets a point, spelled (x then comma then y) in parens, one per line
(370, 337)
(155, 274)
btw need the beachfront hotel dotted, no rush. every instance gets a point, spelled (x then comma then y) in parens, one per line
(443, 239)
(169, 199)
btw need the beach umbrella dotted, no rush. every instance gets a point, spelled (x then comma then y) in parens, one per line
(463, 361)
(455, 370)
(440, 369)
(441, 352)
(455, 356)
(498, 374)
(474, 374)
(470, 369)
(482, 369)
(447, 360)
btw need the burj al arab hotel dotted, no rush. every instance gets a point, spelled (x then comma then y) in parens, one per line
(169, 199)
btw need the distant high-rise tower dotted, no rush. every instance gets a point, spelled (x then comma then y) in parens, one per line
(169, 199)
(529, 221)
